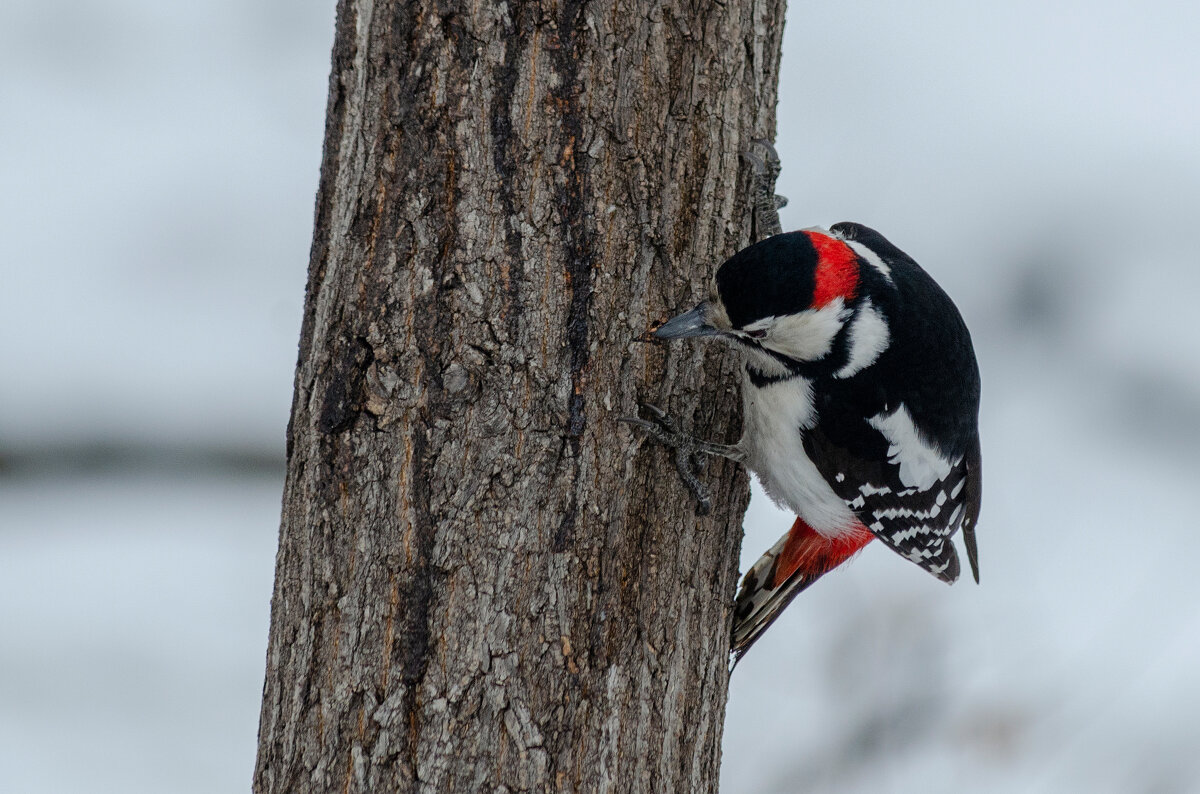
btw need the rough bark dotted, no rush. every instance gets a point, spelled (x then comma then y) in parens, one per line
(484, 582)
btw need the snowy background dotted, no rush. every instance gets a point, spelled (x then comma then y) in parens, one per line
(1041, 160)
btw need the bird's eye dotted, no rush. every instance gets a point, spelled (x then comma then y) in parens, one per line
(757, 333)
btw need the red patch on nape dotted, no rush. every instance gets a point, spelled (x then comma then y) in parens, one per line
(813, 554)
(837, 270)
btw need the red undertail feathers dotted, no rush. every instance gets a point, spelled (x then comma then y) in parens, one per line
(797, 560)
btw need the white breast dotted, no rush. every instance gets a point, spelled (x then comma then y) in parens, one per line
(775, 417)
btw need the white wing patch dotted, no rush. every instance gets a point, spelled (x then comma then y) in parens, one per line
(869, 337)
(921, 465)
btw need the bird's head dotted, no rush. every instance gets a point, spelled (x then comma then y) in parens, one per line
(793, 300)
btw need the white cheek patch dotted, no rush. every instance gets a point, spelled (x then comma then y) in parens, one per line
(921, 465)
(868, 339)
(871, 258)
(806, 335)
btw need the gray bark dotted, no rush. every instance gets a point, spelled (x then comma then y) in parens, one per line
(484, 582)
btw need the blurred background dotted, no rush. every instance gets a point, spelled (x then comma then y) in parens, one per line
(160, 162)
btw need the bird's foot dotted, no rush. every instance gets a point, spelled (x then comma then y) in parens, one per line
(688, 452)
(765, 167)
(765, 160)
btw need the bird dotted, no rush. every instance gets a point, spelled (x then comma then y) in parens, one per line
(860, 396)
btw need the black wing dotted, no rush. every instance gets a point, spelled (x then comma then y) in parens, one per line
(908, 494)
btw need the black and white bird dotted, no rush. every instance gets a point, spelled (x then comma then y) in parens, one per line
(861, 401)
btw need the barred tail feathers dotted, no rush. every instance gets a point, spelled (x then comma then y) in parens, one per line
(799, 558)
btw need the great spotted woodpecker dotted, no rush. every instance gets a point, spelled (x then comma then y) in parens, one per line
(861, 398)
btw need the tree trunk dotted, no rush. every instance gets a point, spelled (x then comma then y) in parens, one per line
(484, 582)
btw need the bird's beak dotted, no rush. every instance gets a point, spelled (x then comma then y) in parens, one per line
(691, 323)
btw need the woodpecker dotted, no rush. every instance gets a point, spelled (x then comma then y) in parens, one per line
(860, 396)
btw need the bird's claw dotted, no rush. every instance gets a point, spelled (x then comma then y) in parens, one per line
(765, 167)
(766, 164)
(689, 460)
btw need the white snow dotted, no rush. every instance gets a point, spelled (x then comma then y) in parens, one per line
(135, 612)
(1047, 180)
(1039, 160)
